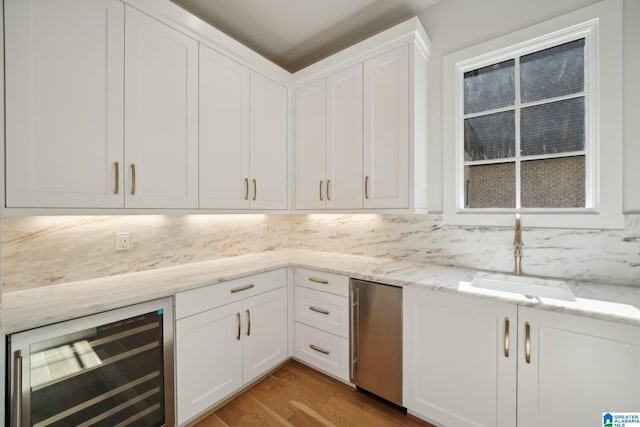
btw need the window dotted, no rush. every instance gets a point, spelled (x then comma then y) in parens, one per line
(524, 130)
(533, 128)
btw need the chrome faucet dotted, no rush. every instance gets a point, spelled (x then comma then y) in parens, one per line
(517, 248)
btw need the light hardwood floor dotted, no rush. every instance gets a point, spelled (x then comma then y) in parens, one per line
(296, 395)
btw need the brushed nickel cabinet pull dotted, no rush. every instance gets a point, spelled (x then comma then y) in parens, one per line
(527, 343)
(17, 390)
(248, 322)
(239, 326)
(319, 349)
(321, 190)
(321, 281)
(133, 179)
(246, 188)
(366, 187)
(318, 310)
(116, 166)
(506, 338)
(242, 288)
(255, 189)
(328, 194)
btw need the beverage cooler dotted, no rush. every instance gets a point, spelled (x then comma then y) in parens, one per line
(108, 369)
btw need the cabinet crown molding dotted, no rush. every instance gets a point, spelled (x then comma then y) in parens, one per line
(409, 31)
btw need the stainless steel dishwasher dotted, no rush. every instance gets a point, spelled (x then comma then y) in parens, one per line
(376, 339)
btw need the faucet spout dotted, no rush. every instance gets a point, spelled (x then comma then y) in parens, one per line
(517, 248)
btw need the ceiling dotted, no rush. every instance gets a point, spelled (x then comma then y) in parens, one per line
(297, 33)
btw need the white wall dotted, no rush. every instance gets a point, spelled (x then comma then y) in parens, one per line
(456, 24)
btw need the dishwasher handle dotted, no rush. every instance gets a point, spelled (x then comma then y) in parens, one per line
(354, 313)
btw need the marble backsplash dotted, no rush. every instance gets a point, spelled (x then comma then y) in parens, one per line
(40, 251)
(603, 256)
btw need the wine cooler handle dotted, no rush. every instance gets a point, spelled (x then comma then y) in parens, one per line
(17, 390)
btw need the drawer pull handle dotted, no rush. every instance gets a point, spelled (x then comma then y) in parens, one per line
(243, 288)
(246, 188)
(239, 326)
(321, 281)
(328, 194)
(319, 349)
(506, 338)
(255, 189)
(321, 182)
(248, 323)
(318, 310)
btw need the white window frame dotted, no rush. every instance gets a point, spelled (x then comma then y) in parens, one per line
(601, 27)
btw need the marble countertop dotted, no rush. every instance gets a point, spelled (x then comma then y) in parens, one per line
(22, 310)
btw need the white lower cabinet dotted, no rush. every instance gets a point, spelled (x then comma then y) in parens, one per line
(464, 364)
(459, 359)
(322, 321)
(576, 369)
(221, 349)
(265, 339)
(209, 359)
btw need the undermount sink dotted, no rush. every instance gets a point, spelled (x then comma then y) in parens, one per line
(528, 286)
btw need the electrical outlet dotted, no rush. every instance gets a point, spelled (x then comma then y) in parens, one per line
(263, 229)
(122, 240)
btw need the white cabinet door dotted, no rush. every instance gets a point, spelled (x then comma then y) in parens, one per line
(311, 124)
(457, 370)
(64, 103)
(578, 368)
(265, 332)
(344, 139)
(161, 115)
(329, 142)
(208, 359)
(386, 130)
(268, 144)
(224, 138)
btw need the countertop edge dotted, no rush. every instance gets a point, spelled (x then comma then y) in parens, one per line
(82, 297)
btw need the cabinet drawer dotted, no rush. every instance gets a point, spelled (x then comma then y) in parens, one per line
(208, 297)
(322, 350)
(326, 282)
(324, 311)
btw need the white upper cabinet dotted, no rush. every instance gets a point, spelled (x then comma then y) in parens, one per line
(386, 130)
(344, 139)
(224, 132)
(329, 142)
(64, 103)
(311, 152)
(243, 137)
(361, 132)
(268, 159)
(161, 115)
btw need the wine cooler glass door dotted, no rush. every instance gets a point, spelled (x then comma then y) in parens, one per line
(108, 369)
